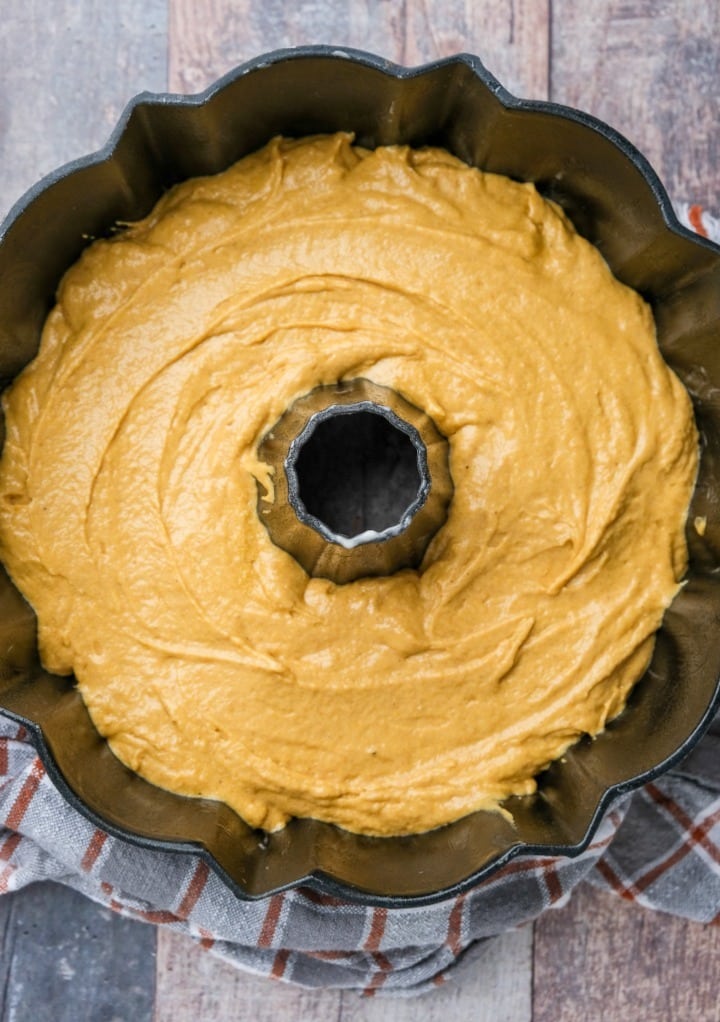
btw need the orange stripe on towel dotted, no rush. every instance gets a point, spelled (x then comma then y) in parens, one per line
(21, 803)
(695, 217)
(195, 889)
(93, 850)
(270, 922)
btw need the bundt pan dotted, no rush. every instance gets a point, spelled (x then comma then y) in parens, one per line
(615, 200)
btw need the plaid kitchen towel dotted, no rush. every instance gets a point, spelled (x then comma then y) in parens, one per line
(659, 847)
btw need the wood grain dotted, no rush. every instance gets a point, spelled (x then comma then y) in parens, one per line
(650, 69)
(193, 984)
(68, 69)
(65, 959)
(602, 960)
(491, 984)
(207, 39)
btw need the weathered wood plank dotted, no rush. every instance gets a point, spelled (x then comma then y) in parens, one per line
(65, 959)
(601, 958)
(650, 69)
(511, 36)
(193, 984)
(205, 40)
(68, 69)
(490, 984)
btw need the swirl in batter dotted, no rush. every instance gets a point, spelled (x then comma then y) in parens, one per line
(208, 658)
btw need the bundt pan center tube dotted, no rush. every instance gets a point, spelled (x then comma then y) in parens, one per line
(361, 482)
(615, 200)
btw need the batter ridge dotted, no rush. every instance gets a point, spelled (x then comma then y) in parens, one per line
(211, 661)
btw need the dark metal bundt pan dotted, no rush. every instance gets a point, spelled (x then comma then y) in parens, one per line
(616, 201)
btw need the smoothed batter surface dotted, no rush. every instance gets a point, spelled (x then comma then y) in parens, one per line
(210, 660)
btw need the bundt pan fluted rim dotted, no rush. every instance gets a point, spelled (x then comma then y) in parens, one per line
(615, 199)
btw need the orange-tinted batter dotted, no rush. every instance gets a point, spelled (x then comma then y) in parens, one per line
(210, 660)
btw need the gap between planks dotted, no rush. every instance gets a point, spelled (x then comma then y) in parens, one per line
(206, 40)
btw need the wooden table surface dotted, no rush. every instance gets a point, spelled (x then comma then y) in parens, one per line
(651, 68)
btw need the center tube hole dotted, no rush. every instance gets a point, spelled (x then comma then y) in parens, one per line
(356, 471)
